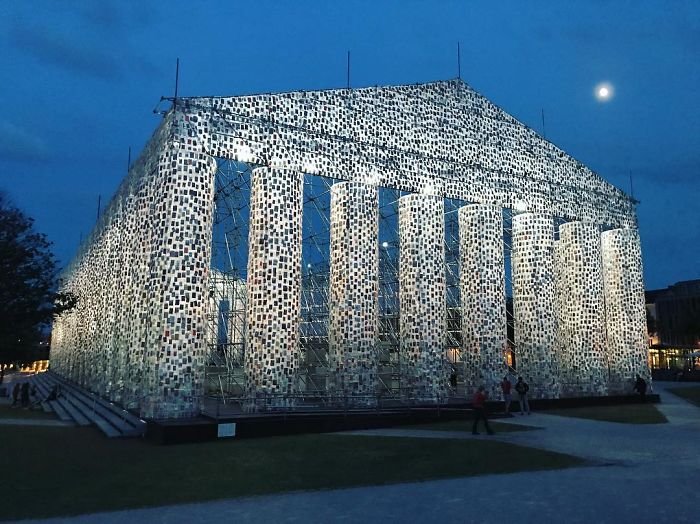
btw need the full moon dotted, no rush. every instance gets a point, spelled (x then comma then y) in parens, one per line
(604, 92)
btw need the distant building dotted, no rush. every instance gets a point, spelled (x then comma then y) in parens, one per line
(678, 313)
(673, 322)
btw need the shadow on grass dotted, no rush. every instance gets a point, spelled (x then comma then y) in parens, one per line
(626, 413)
(76, 470)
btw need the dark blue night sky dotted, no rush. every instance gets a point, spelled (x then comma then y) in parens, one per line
(81, 78)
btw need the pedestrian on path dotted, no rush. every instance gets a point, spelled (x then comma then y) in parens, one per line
(15, 394)
(640, 386)
(522, 388)
(24, 394)
(505, 388)
(479, 405)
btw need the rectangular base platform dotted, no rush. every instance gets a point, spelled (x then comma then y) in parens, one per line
(204, 428)
(266, 425)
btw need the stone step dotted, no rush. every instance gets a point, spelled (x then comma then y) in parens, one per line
(75, 413)
(60, 411)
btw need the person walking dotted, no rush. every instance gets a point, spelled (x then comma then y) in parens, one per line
(522, 388)
(505, 388)
(479, 405)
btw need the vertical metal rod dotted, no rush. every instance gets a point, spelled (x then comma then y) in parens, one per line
(128, 161)
(459, 61)
(177, 80)
(348, 73)
(99, 204)
(544, 131)
(221, 386)
(631, 185)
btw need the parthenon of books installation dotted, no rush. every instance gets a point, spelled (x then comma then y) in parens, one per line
(145, 281)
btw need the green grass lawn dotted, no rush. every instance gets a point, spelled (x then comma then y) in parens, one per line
(691, 394)
(67, 471)
(625, 413)
(466, 425)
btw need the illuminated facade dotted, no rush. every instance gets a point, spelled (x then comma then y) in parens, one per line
(483, 286)
(274, 284)
(144, 277)
(583, 362)
(534, 309)
(624, 305)
(353, 328)
(422, 296)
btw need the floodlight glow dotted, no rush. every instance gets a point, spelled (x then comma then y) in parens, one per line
(310, 167)
(245, 154)
(519, 206)
(372, 176)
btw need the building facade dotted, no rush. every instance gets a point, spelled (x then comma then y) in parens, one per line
(673, 318)
(143, 278)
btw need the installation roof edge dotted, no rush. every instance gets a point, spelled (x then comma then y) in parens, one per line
(454, 82)
(363, 88)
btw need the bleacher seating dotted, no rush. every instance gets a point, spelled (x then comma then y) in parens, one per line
(85, 408)
(42, 391)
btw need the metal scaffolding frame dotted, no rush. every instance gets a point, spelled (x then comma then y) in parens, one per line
(227, 299)
(511, 349)
(226, 345)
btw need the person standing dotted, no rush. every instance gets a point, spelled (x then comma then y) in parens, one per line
(453, 378)
(505, 388)
(522, 388)
(24, 394)
(640, 386)
(479, 405)
(15, 394)
(54, 393)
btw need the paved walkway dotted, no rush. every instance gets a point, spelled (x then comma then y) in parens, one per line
(645, 473)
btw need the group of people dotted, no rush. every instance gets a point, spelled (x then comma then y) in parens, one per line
(21, 394)
(521, 388)
(26, 396)
(479, 402)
